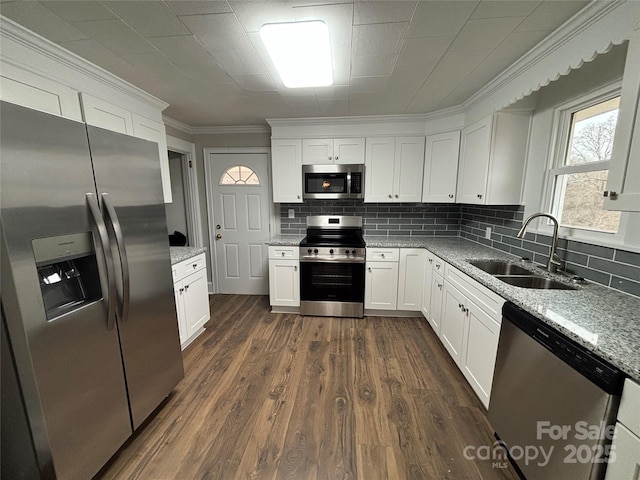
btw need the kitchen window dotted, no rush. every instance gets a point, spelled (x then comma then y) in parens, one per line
(584, 130)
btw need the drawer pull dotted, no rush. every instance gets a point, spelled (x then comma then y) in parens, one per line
(283, 254)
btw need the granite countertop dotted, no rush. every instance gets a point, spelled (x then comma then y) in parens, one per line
(605, 321)
(179, 254)
(285, 240)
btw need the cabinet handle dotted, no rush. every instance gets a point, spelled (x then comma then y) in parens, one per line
(390, 196)
(382, 255)
(195, 265)
(369, 268)
(336, 157)
(440, 286)
(460, 306)
(298, 197)
(438, 266)
(396, 195)
(451, 195)
(329, 157)
(181, 290)
(295, 268)
(431, 260)
(479, 195)
(609, 194)
(283, 254)
(186, 288)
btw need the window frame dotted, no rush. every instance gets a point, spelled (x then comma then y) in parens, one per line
(559, 144)
(238, 183)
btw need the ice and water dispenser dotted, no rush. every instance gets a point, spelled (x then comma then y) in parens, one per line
(68, 272)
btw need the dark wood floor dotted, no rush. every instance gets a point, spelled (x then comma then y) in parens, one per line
(274, 396)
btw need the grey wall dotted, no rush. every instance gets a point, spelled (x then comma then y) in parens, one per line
(612, 267)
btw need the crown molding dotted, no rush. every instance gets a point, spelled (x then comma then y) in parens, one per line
(563, 37)
(178, 125)
(213, 129)
(40, 45)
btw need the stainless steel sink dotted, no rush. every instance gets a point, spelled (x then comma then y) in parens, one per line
(533, 281)
(499, 267)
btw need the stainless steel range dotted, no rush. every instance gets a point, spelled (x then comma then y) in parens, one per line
(332, 262)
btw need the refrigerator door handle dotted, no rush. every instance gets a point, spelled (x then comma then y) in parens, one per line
(104, 241)
(124, 263)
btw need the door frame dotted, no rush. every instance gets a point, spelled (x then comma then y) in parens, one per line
(190, 184)
(211, 191)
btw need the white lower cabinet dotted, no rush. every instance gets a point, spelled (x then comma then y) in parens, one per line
(381, 279)
(411, 277)
(453, 323)
(624, 462)
(426, 286)
(284, 276)
(192, 297)
(435, 306)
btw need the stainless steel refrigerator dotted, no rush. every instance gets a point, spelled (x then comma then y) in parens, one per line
(87, 293)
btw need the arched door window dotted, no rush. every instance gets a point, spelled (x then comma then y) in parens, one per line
(239, 175)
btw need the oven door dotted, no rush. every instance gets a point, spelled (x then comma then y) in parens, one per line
(332, 288)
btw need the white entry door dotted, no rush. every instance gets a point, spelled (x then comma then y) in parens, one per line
(240, 194)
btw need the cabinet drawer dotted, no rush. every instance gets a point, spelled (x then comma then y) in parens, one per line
(383, 254)
(287, 252)
(628, 413)
(187, 267)
(438, 265)
(484, 298)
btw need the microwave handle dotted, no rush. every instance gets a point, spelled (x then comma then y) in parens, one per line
(349, 183)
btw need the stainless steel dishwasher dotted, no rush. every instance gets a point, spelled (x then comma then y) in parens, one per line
(553, 403)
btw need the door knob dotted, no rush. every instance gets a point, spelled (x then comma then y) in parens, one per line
(218, 227)
(218, 237)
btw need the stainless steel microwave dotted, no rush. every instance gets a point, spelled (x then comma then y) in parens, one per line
(333, 181)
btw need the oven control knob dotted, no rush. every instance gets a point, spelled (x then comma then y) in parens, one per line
(353, 252)
(346, 252)
(308, 250)
(331, 251)
(315, 250)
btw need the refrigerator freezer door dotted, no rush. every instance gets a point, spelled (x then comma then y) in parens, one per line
(69, 366)
(127, 169)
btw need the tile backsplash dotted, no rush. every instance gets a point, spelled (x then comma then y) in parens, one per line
(612, 267)
(404, 219)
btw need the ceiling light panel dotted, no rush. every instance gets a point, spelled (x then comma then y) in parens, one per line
(301, 52)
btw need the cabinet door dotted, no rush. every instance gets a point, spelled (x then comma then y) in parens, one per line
(378, 175)
(348, 150)
(453, 327)
(38, 93)
(317, 151)
(411, 276)
(474, 162)
(624, 173)
(178, 293)
(408, 165)
(426, 289)
(626, 448)
(435, 305)
(284, 283)
(286, 170)
(441, 168)
(381, 286)
(106, 115)
(480, 350)
(196, 301)
(153, 131)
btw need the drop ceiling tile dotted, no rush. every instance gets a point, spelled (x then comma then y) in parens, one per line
(403, 86)
(42, 21)
(372, 65)
(95, 52)
(378, 39)
(256, 83)
(423, 51)
(79, 11)
(502, 8)
(252, 15)
(159, 65)
(116, 36)
(334, 108)
(363, 103)
(188, 54)
(382, 11)
(440, 18)
(186, 7)
(220, 31)
(551, 14)
(484, 33)
(239, 62)
(321, 3)
(334, 92)
(369, 84)
(149, 18)
(450, 72)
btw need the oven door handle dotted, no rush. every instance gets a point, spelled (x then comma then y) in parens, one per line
(306, 259)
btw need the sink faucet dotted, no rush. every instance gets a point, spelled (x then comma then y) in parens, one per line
(554, 261)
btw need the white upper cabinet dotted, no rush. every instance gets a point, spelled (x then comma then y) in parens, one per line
(106, 115)
(153, 131)
(623, 183)
(492, 158)
(286, 170)
(30, 90)
(441, 167)
(394, 169)
(316, 151)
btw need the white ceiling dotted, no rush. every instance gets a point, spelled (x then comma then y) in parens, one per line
(205, 58)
